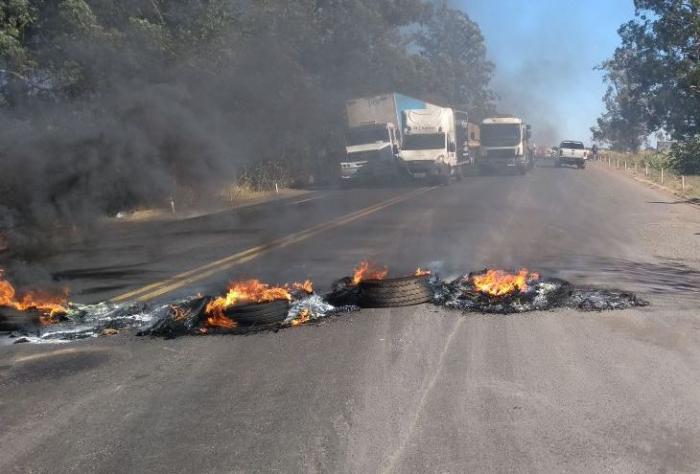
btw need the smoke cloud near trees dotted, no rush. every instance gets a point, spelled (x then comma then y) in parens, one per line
(107, 105)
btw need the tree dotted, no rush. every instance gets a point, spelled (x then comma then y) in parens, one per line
(654, 74)
(453, 60)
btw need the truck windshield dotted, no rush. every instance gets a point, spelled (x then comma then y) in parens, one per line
(367, 135)
(424, 142)
(572, 145)
(500, 134)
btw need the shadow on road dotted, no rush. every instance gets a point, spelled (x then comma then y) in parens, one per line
(684, 201)
(668, 277)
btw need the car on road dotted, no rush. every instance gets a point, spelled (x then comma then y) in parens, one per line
(571, 153)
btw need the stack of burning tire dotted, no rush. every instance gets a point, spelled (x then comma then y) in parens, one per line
(252, 303)
(369, 287)
(255, 314)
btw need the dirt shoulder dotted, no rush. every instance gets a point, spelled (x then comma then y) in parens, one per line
(175, 212)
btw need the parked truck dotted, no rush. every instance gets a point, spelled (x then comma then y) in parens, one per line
(435, 143)
(374, 135)
(505, 144)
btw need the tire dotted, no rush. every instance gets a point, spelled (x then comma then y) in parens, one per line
(15, 320)
(582, 166)
(406, 291)
(259, 313)
(459, 175)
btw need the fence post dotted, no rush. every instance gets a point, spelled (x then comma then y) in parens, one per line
(625, 165)
(635, 167)
(646, 169)
(683, 182)
(662, 175)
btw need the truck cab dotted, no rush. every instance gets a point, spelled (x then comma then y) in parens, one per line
(429, 149)
(370, 148)
(505, 144)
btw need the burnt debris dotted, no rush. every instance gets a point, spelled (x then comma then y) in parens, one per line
(538, 295)
(487, 292)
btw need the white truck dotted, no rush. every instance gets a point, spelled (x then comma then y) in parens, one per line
(374, 135)
(571, 153)
(505, 144)
(435, 143)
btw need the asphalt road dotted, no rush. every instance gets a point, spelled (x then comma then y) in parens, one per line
(404, 390)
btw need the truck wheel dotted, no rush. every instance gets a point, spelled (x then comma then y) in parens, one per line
(582, 165)
(459, 174)
(446, 178)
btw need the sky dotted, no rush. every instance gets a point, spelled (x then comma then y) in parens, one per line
(545, 52)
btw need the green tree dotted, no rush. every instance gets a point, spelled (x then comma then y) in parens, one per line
(453, 60)
(655, 74)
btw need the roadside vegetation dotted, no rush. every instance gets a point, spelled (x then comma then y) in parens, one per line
(654, 83)
(109, 105)
(655, 166)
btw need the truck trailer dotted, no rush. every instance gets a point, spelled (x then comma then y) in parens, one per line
(374, 135)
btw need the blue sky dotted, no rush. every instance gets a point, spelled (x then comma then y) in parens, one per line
(545, 52)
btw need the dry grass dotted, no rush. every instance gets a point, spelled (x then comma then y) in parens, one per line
(653, 167)
(236, 193)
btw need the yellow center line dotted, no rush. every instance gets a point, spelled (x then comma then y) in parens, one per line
(160, 288)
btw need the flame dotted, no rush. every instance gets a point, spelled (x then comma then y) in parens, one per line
(421, 272)
(50, 305)
(499, 282)
(218, 319)
(368, 271)
(249, 291)
(304, 317)
(306, 287)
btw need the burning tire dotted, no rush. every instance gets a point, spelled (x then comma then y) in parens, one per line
(13, 320)
(255, 314)
(406, 291)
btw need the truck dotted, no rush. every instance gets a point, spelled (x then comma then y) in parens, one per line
(435, 143)
(374, 135)
(571, 153)
(505, 144)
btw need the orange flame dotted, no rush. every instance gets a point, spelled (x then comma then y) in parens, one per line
(220, 320)
(368, 271)
(304, 317)
(50, 305)
(421, 272)
(249, 291)
(499, 282)
(307, 286)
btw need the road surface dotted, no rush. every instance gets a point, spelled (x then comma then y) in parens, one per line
(402, 390)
